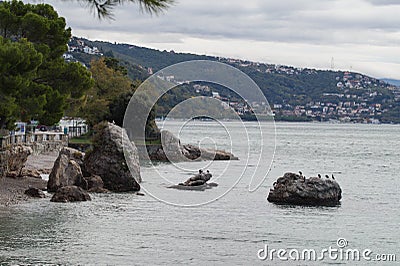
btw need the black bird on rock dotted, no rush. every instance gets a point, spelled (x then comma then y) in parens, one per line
(333, 177)
(319, 175)
(327, 176)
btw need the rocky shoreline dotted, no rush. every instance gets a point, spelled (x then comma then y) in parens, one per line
(111, 165)
(12, 189)
(43, 163)
(71, 171)
(171, 150)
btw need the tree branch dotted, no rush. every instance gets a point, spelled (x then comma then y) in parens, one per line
(104, 8)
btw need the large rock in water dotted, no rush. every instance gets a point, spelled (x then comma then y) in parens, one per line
(294, 189)
(172, 150)
(70, 194)
(66, 170)
(171, 147)
(107, 159)
(195, 153)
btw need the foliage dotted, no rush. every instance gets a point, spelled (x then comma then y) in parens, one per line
(278, 88)
(279, 117)
(296, 88)
(110, 82)
(117, 108)
(98, 130)
(114, 64)
(108, 99)
(119, 105)
(147, 57)
(104, 9)
(35, 80)
(393, 115)
(19, 62)
(289, 87)
(134, 71)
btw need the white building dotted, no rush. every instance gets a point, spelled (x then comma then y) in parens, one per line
(68, 56)
(215, 95)
(87, 50)
(73, 126)
(20, 128)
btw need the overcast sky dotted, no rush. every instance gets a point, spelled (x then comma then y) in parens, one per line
(360, 35)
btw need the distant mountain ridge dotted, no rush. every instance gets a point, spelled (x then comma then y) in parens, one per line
(303, 93)
(395, 82)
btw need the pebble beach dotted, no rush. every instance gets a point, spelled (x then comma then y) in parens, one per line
(12, 189)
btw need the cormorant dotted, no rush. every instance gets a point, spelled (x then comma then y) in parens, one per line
(333, 177)
(301, 174)
(319, 175)
(327, 176)
(207, 176)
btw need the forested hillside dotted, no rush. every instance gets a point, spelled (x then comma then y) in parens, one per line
(292, 92)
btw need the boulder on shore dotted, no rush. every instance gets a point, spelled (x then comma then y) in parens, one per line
(24, 172)
(13, 160)
(73, 154)
(35, 192)
(114, 158)
(18, 157)
(94, 181)
(70, 194)
(66, 170)
(294, 189)
(31, 172)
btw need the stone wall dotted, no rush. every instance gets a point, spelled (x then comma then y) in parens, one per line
(40, 142)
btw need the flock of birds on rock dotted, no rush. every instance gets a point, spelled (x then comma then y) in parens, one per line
(304, 178)
(319, 175)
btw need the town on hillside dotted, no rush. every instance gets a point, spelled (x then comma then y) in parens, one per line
(294, 94)
(362, 106)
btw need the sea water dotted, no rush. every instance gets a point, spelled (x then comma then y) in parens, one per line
(230, 225)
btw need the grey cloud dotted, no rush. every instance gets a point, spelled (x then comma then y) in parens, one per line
(360, 33)
(302, 21)
(383, 2)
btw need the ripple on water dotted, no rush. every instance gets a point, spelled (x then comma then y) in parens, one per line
(127, 229)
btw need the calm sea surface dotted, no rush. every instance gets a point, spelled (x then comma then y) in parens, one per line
(126, 229)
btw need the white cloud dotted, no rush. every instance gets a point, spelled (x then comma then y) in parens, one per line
(363, 34)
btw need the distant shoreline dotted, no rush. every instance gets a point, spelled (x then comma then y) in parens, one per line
(159, 120)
